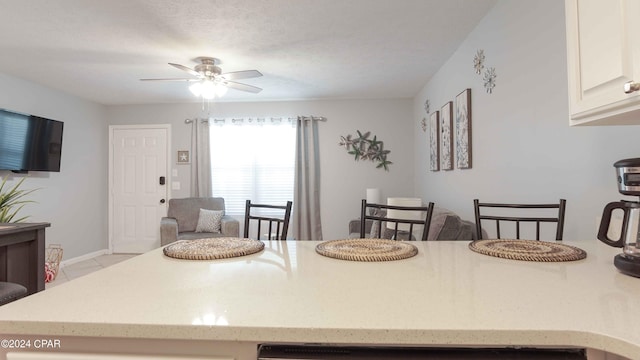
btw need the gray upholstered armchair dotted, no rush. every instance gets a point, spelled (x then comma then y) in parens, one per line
(182, 219)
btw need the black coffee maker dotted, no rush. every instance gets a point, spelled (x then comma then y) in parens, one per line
(628, 261)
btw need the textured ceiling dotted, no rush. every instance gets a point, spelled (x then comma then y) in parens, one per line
(306, 49)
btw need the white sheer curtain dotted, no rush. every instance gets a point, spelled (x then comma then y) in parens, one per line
(200, 158)
(306, 221)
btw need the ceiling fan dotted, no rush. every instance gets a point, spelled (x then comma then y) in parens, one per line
(209, 80)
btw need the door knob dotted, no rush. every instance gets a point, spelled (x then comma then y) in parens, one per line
(631, 86)
(162, 201)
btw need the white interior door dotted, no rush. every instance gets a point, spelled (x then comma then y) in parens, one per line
(138, 187)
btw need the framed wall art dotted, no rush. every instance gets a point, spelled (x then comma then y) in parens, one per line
(463, 130)
(446, 137)
(183, 157)
(434, 140)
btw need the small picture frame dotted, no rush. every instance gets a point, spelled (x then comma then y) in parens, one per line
(446, 137)
(183, 157)
(434, 140)
(463, 130)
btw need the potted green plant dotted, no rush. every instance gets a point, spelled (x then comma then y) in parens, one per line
(12, 200)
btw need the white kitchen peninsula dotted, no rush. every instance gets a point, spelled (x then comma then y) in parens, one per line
(445, 296)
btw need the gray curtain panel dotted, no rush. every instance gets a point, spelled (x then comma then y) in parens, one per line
(200, 159)
(306, 221)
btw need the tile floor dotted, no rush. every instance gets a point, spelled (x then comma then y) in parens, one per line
(82, 268)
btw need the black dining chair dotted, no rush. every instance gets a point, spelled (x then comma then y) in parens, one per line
(398, 226)
(274, 217)
(534, 214)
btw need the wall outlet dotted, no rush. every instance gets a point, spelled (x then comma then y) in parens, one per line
(175, 185)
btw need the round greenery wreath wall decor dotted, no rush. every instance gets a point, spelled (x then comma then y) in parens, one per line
(363, 148)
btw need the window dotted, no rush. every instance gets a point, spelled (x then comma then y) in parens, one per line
(252, 161)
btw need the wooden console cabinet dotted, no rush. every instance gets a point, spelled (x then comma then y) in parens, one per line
(22, 254)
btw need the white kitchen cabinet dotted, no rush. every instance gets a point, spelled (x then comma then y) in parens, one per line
(603, 54)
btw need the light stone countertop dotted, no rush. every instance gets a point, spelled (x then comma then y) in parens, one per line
(445, 295)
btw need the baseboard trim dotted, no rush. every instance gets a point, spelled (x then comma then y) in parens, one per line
(84, 257)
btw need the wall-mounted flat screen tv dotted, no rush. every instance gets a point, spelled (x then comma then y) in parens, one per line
(29, 143)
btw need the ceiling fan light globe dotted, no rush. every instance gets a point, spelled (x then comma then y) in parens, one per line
(221, 90)
(196, 89)
(208, 89)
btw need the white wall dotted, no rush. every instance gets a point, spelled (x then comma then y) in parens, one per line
(523, 148)
(344, 181)
(73, 200)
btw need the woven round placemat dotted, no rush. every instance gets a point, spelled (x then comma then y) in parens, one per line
(366, 249)
(213, 248)
(527, 250)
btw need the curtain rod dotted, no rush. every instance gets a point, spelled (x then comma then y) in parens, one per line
(317, 118)
(272, 119)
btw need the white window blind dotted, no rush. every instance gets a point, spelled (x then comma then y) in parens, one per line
(252, 161)
(13, 137)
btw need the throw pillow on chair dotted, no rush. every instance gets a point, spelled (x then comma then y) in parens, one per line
(209, 221)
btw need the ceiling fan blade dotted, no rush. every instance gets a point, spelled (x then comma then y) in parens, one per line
(189, 70)
(243, 87)
(245, 74)
(187, 80)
